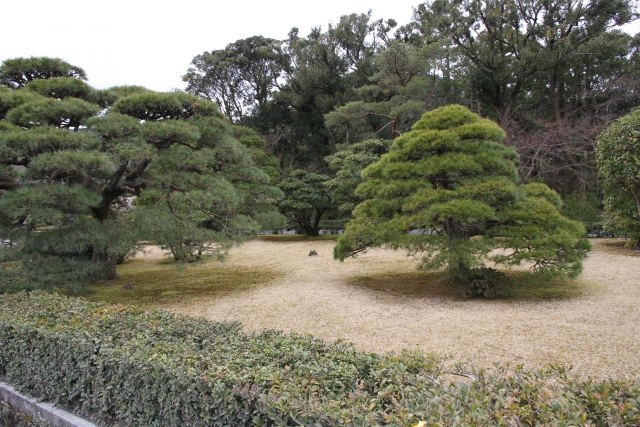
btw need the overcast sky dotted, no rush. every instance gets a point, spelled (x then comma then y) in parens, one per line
(151, 42)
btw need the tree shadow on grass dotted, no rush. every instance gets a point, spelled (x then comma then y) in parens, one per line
(523, 286)
(159, 283)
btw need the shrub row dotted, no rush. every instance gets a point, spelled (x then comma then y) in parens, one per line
(161, 369)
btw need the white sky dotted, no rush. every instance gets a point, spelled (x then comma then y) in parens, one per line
(151, 42)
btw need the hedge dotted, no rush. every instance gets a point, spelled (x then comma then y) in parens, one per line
(160, 369)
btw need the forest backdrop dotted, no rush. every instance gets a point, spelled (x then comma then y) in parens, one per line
(553, 74)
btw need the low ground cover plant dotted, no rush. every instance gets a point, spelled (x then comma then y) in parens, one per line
(161, 369)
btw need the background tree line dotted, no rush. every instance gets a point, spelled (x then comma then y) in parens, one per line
(553, 74)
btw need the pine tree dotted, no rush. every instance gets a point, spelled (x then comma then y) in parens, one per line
(451, 178)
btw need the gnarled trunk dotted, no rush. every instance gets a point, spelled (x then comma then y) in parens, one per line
(106, 264)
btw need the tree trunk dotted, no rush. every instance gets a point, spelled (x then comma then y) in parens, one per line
(458, 270)
(106, 268)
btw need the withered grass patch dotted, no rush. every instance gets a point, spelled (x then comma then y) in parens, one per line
(381, 303)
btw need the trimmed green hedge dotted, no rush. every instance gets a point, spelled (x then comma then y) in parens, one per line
(160, 369)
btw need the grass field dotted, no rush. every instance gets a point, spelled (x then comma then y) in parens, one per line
(381, 303)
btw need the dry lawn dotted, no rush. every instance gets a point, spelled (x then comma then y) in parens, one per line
(380, 303)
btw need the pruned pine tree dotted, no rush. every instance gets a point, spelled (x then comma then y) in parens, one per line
(81, 184)
(452, 178)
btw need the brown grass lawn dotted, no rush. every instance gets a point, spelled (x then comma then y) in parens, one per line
(381, 303)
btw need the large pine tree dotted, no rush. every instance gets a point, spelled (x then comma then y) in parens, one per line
(85, 174)
(452, 178)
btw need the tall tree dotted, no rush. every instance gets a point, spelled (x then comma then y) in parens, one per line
(324, 68)
(451, 178)
(282, 89)
(239, 78)
(306, 199)
(507, 42)
(409, 81)
(556, 129)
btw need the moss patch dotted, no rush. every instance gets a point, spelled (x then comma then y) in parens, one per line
(410, 283)
(530, 287)
(159, 283)
(296, 237)
(525, 286)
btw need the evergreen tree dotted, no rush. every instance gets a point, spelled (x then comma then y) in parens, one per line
(618, 161)
(348, 165)
(20, 71)
(306, 199)
(81, 186)
(451, 178)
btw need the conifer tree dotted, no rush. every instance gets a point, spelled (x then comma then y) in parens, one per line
(452, 178)
(81, 184)
(306, 199)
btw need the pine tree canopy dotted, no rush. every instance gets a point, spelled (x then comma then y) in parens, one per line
(451, 178)
(87, 174)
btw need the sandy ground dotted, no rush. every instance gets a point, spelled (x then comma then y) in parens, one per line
(598, 333)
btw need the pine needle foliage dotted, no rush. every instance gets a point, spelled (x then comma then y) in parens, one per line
(451, 178)
(86, 174)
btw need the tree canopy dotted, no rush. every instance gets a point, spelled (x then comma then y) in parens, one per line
(20, 71)
(451, 178)
(306, 199)
(348, 165)
(618, 160)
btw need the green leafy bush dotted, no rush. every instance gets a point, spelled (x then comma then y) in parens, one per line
(161, 369)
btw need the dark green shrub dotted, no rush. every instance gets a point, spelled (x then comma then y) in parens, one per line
(140, 368)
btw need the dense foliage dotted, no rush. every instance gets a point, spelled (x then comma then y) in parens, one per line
(348, 165)
(83, 182)
(553, 74)
(306, 198)
(451, 178)
(618, 160)
(159, 369)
